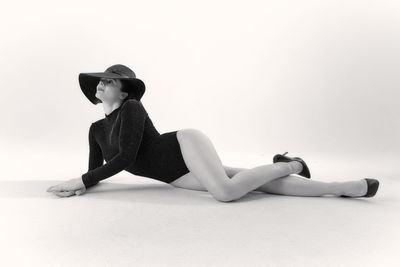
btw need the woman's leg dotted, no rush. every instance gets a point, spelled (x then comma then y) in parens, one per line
(203, 161)
(293, 185)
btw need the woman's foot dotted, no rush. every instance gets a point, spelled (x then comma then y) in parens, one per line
(372, 188)
(296, 166)
(366, 187)
(357, 188)
(305, 172)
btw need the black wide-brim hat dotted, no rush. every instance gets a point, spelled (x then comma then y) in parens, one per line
(88, 82)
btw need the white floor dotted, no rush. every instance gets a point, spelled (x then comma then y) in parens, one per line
(134, 221)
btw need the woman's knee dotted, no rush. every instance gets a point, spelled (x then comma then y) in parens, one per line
(220, 190)
(226, 193)
(224, 197)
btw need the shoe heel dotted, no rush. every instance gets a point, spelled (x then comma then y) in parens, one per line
(279, 157)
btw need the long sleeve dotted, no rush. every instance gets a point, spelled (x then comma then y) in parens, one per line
(133, 116)
(95, 154)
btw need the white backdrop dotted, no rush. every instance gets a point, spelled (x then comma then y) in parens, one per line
(319, 79)
(315, 78)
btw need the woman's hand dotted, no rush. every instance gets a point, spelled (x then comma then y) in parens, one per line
(71, 187)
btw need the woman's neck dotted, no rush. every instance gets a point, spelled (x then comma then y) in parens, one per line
(108, 108)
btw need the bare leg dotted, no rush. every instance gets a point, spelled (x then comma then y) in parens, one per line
(203, 161)
(299, 186)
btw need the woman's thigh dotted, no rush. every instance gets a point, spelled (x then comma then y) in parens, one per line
(204, 164)
(188, 181)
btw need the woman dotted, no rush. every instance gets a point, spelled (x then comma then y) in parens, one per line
(127, 139)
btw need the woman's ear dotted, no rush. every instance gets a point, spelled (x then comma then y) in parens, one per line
(123, 95)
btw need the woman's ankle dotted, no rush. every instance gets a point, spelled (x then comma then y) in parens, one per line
(337, 188)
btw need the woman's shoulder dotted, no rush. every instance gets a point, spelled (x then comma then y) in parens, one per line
(96, 123)
(129, 107)
(132, 102)
(133, 105)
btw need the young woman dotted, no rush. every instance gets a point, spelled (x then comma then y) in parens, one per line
(127, 140)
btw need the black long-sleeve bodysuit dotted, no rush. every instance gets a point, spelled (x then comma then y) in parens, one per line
(127, 139)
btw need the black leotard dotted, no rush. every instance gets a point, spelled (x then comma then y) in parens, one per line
(127, 139)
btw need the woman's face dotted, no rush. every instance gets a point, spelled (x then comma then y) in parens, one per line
(109, 90)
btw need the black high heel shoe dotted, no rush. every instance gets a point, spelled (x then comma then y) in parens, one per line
(282, 158)
(373, 185)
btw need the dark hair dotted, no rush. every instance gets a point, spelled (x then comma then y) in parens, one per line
(125, 88)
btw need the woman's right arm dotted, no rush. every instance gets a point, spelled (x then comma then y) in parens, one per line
(95, 154)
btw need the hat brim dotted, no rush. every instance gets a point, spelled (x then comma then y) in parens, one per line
(88, 83)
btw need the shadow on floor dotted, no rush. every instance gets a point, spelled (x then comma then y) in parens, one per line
(144, 193)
